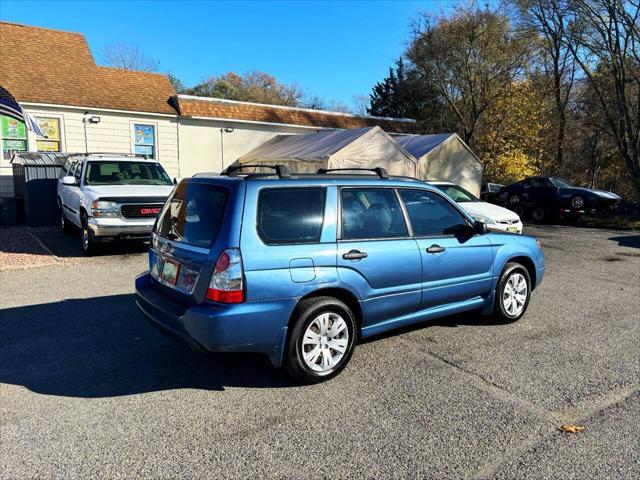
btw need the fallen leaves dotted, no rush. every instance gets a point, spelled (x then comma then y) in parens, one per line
(570, 428)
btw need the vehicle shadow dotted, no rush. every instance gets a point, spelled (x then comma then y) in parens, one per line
(103, 347)
(68, 246)
(471, 318)
(632, 241)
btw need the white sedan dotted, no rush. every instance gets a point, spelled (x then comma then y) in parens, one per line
(495, 217)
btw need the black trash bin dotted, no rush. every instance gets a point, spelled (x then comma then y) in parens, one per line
(35, 181)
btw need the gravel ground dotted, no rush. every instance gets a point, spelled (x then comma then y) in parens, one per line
(20, 249)
(88, 389)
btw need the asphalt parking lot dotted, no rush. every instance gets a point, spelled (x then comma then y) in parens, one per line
(89, 389)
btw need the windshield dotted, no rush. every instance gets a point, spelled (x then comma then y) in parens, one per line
(125, 173)
(458, 194)
(560, 182)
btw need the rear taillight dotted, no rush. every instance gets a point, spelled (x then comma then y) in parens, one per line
(227, 283)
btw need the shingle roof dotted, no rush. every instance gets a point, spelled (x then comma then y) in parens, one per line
(190, 106)
(39, 65)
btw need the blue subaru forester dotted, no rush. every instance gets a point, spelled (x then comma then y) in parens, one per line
(301, 266)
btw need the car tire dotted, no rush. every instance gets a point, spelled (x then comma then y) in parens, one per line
(508, 307)
(518, 210)
(321, 339)
(87, 241)
(538, 213)
(514, 199)
(65, 225)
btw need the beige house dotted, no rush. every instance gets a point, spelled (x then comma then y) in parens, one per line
(79, 105)
(86, 107)
(214, 132)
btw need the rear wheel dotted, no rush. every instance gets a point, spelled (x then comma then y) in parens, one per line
(513, 293)
(321, 340)
(65, 225)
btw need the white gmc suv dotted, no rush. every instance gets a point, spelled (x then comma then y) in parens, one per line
(111, 197)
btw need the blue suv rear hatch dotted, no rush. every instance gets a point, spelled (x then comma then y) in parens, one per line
(194, 227)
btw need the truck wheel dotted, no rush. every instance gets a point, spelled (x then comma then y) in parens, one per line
(65, 225)
(321, 340)
(86, 237)
(513, 293)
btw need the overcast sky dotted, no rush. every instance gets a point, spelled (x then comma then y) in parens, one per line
(334, 49)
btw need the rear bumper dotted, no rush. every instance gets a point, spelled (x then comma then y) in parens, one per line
(246, 327)
(118, 228)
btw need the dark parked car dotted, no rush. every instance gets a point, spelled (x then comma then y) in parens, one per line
(544, 197)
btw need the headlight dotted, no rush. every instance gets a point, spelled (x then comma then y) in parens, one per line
(101, 208)
(483, 219)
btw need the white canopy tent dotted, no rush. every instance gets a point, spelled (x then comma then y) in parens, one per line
(353, 148)
(444, 157)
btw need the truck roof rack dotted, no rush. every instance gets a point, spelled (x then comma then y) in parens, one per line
(381, 172)
(102, 154)
(281, 170)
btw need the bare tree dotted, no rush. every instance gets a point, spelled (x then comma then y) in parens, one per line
(361, 104)
(606, 45)
(549, 19)
(126, 56)
(473, 57)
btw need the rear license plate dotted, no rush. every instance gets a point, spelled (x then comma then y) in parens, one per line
(170, 271)
(512, 229)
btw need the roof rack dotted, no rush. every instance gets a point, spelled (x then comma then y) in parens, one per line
(381, 172)
(281, 170)
(102, 154)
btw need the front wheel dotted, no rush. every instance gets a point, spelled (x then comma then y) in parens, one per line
(88, 242)
(538, 214)
(321, 340)
(513, 293)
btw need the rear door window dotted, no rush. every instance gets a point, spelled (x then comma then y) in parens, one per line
(290, 215)
(193, 214)
(431, 214)
(371, 213)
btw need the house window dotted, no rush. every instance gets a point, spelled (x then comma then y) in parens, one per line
(13, 136)
(51, 128)
(144, 140)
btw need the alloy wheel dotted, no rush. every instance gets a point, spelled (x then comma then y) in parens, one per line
(514, 295)
(577, 202)
(85, 238)
(325, 342)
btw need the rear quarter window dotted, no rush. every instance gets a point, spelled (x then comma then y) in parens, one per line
(290, 215)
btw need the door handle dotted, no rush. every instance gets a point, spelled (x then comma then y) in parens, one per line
(354, 255)
(435, 249)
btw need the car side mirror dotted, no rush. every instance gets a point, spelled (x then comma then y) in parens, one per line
(176, 180)
(480, 228)
(69, 180)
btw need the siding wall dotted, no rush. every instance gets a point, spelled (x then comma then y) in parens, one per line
(200, 147)
(114, 134)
